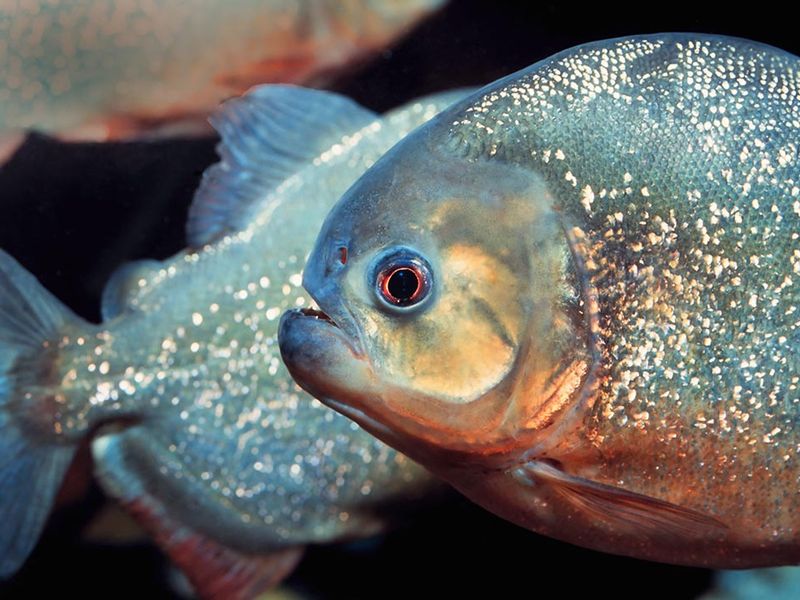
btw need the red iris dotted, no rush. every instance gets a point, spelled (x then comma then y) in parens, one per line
(402, 285)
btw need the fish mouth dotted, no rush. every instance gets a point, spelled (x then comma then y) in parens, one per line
(334, 317)
(306, 332)
(322, 356)
(326, 362)
(316, 313)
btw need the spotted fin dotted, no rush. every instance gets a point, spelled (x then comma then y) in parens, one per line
(214, 570)
(123, 285)
(267, 135)
(625, 510)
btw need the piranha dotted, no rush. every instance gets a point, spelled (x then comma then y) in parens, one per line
(111, 69)
(574, 295)
(196, 426)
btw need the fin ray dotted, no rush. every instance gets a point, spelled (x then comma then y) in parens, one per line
(267, 135)
(32, 461)
(623, 508)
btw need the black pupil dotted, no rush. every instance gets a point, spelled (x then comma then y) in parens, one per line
(403, 284)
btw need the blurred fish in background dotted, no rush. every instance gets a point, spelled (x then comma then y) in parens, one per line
(198, 429)
(112, 69)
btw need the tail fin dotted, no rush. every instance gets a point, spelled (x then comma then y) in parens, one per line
(33, 460)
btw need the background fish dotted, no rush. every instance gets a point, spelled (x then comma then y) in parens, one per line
(106, 69)
(198, 429)
(573, 296)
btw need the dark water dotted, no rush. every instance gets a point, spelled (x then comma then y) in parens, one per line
(72, 213)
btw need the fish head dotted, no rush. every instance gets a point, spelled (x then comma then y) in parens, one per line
(444, 291)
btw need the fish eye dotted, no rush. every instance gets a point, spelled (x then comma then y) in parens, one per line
(402, 279)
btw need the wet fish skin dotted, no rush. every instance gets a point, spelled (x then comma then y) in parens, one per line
(111, 69)
(607, 352)
(197, 427)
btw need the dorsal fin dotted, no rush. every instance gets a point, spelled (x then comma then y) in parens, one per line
(267, 135)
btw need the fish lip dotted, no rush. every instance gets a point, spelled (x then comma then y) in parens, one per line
(330, 309)
(319, 318)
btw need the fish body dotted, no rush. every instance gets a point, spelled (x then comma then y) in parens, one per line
(110, 69)
(574, 296)
(196, 425)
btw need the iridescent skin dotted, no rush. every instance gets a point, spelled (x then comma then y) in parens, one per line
(104, 69)
(613, 238)
(201, 414)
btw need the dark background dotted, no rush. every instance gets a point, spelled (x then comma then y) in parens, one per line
(71, 213)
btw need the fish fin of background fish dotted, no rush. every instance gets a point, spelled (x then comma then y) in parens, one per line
(189, 125)
(100, 129)
(140, 126)
(10, 142)
(287, 69)
(32, 464)
(636, 513)
(213, 569)
(123, 285)
(267, 135)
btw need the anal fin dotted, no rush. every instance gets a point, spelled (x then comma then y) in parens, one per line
(214, 570)
(636, 513)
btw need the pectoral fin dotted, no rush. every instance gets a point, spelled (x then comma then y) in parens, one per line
(625, 510)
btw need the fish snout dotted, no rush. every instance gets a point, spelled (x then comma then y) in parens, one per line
(298, 336)
(320, 356)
